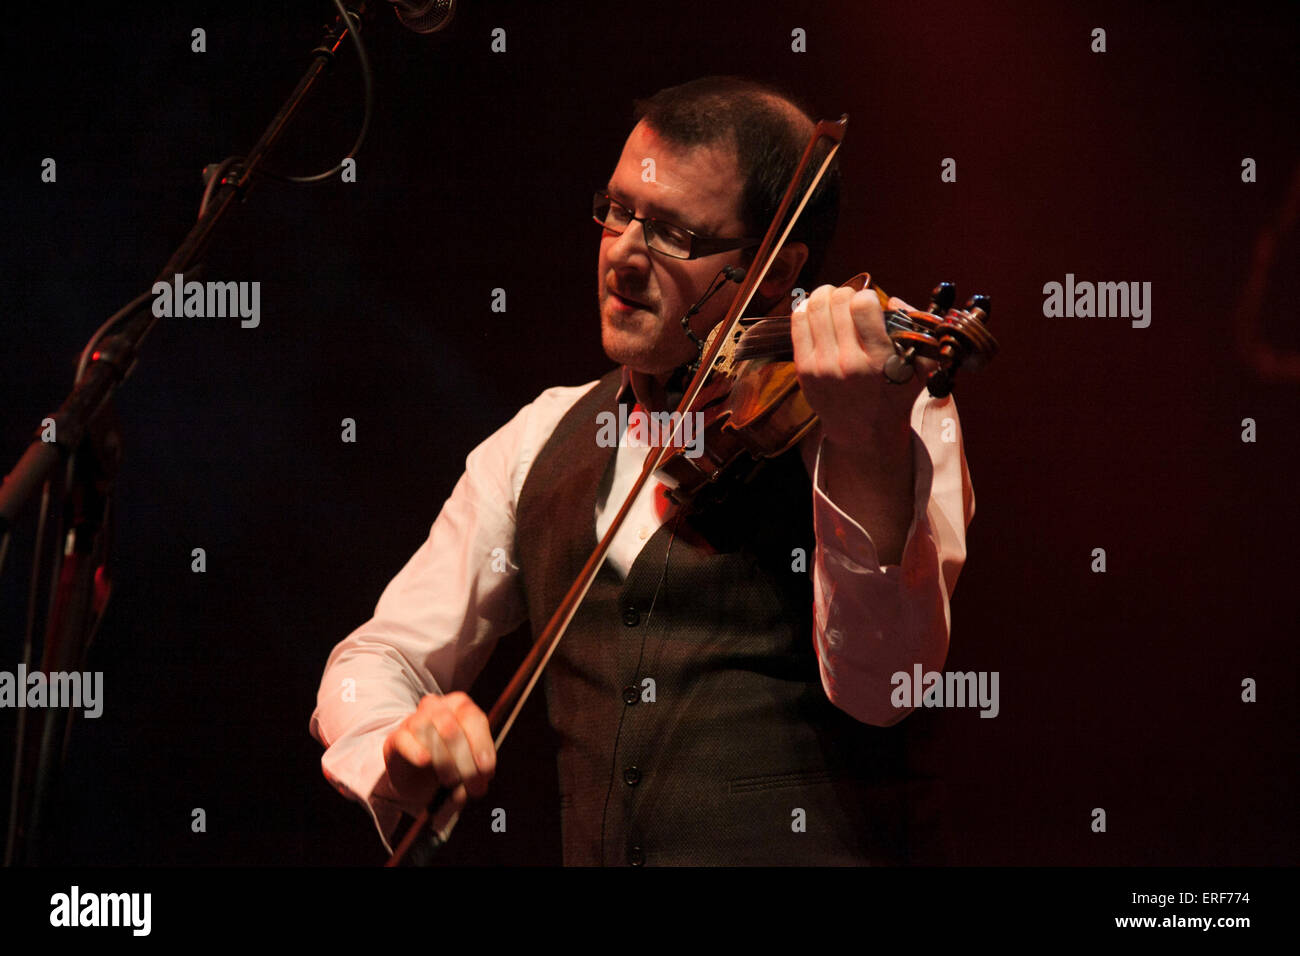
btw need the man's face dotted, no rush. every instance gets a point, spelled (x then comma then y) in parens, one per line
(644, 294)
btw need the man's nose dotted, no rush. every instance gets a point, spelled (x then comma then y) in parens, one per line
(629, 249)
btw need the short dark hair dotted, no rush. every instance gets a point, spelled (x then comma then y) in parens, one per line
(768, 139)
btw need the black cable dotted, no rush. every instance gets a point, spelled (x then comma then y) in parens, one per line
(725, 274)
(125, 312)
(368, 80)
(215, 178)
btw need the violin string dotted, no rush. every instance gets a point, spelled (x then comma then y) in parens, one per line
(771, 334)
(760, 323)
(752, 281)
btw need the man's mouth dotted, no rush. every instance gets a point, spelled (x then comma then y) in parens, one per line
(626, 303)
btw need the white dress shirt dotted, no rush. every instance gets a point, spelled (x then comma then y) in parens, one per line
(440, 617)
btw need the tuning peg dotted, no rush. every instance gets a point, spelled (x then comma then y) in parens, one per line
(942, 297)
(982, 302)
(899, 369)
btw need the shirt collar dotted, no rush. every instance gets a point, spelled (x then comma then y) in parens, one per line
(650, 395)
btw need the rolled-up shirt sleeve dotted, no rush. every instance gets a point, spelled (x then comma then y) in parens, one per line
(438, 620)
(872, 621)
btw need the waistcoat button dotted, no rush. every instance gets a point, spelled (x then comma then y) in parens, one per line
(630, 695)
(631, 776)
(636, 856)
(630, 616)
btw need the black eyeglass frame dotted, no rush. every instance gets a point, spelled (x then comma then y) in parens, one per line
(700, 246)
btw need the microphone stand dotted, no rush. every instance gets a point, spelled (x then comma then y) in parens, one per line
(85, 439)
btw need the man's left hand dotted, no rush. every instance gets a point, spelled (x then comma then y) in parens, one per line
(840, 349)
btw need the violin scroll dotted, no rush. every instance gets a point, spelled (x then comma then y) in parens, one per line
(958, 338)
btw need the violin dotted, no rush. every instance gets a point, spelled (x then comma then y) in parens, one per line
(753, 408)
(745, 383)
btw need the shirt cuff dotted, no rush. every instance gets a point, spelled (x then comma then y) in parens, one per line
(355, 772)
(835, 527)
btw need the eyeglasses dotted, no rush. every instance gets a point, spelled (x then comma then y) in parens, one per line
(664, 237)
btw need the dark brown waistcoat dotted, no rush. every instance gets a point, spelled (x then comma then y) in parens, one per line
(692, 722)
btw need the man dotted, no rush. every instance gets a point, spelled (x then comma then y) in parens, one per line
(723, 695)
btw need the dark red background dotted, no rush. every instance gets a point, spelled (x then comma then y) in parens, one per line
(1118, 690)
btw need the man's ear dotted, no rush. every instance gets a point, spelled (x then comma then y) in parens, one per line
(780, 279)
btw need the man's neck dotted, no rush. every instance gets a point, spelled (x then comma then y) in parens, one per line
(658, 392)
(649, 389)
(662, 391)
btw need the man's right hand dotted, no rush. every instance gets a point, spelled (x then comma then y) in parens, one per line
(446, 742)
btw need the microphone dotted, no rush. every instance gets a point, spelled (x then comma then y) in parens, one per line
(727, 274)
(424, 16)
